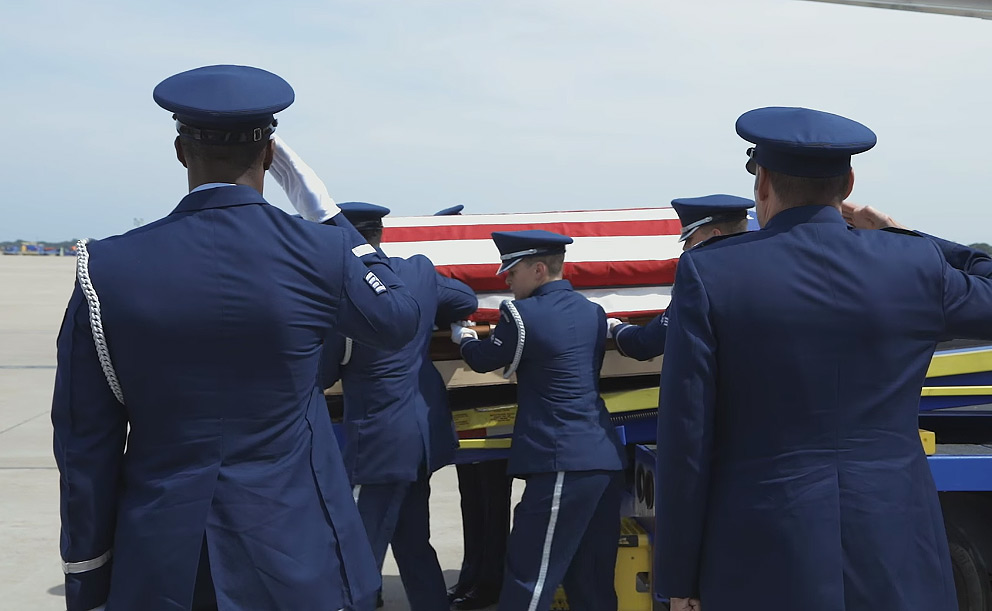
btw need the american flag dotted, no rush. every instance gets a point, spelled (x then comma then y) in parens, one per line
(624, 260)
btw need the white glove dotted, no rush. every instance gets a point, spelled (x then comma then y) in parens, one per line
(611, 324)
(306, 191)
(460, 331)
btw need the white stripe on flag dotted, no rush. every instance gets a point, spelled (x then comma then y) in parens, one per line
(612, 248)
(529, 218)
(633, 299)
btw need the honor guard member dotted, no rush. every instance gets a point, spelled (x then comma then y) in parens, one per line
(195, 341)
(567, 524)
(789, 460)
(484, 489)
(387, 421)
(456, 301)
(702, 218)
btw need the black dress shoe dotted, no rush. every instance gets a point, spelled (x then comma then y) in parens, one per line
(457, 591)
(379, 603)
(476, 599)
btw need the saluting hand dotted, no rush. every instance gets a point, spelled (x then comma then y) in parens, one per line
(305, 190)
(685, 604)
(866, 217)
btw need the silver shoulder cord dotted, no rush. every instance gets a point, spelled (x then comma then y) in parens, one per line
(96, 322)
(521, 336)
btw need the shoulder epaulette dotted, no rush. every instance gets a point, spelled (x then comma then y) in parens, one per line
(902, 231)
(717, 238)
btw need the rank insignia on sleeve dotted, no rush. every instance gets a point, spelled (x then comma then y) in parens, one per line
(374, 282)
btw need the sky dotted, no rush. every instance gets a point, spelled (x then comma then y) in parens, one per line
(505, 106)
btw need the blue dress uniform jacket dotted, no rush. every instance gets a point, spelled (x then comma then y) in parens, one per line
(789, 462)
(456, 301)
(214, 318)
(642, 343)
(390, 417)
(385, 415)
(562, 423)
(962, 257)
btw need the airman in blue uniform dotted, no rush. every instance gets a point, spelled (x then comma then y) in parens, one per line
(567, 524)
(397, 426)
(194, 341)
(790, 471)
(484, 489)
(456, 301)
(702, 218)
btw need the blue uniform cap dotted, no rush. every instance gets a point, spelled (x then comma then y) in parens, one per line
(802, 142)
(224, 104)
(457, 209)
(694, 212)
(515, 245)
(363, 216)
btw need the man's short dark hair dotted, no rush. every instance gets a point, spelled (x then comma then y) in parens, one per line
(371, 234)
(801, 191)
(554, 263)
(241, 156)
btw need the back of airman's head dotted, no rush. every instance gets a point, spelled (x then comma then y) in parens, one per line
(367, 219)
(224, 115)
(710, 215)
(530, 258)
(804, 155)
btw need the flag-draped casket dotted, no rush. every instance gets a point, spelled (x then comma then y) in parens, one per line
(622, 259)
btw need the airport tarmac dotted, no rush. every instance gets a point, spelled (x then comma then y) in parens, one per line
(33, 295)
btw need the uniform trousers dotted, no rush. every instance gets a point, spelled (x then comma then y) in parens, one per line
(415, 557)
(398, 514)
(485, 503)
(565, 531)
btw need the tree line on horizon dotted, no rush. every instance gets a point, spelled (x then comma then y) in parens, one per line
(67, 244)
(64, 244)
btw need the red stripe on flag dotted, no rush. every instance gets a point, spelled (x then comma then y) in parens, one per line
(600, 229)
(584, 274)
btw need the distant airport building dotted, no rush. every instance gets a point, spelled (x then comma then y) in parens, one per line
(38, 249)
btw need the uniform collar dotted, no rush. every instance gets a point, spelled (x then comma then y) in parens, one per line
(554, 285)
(805, 214)
(236, 195)
(212, 185)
